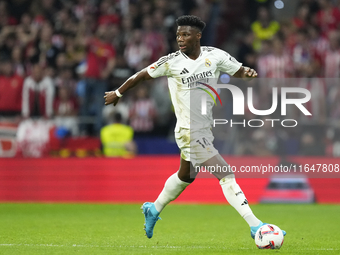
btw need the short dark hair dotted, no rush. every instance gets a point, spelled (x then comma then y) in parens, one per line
(191, 20)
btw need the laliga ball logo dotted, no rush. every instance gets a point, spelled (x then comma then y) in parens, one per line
(269, 236)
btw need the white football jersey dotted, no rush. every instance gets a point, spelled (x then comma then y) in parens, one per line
(188, 80)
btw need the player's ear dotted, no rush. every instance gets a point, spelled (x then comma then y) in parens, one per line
(199, 35)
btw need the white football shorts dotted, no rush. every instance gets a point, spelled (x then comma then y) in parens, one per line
(196, 146)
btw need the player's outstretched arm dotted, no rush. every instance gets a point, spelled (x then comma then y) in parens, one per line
(245, 73)
(112, 97)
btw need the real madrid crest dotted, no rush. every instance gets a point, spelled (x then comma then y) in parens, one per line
(207, 62)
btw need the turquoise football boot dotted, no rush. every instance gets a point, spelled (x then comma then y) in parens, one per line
(151, 217)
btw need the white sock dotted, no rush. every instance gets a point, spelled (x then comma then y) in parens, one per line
(172, 189)
(237, 199)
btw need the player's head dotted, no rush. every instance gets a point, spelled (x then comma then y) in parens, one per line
(189, 33)
(118, 117)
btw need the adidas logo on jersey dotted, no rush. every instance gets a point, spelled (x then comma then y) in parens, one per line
(184, 71)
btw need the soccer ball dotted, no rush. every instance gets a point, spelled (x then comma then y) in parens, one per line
(269, 236)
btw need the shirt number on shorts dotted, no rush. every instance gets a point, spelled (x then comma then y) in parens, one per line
(203, 142)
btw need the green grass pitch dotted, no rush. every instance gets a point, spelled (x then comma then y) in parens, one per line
(184, 229)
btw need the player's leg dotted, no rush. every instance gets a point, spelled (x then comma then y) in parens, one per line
(234, 194)
(232, 191)
(173, 187)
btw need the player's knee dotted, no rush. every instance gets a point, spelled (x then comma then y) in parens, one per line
(185, 177)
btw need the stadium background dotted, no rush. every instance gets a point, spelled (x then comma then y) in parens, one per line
(43, 160)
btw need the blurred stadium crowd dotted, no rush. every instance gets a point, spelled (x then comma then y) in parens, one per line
(58, 57)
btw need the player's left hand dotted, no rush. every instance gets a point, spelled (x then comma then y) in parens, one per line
(111, 98)
(249, 72)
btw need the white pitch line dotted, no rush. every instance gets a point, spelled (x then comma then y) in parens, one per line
(118, 246)
(143, 246)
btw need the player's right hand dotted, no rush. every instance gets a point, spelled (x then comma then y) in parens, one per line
(111, 98)
(249, 72)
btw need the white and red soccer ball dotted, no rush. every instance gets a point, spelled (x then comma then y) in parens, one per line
(269, 236)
